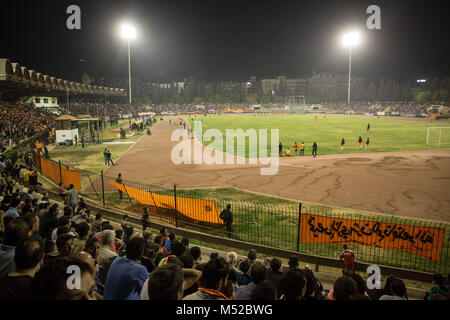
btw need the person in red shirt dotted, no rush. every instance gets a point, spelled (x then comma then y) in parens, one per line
(349, 258)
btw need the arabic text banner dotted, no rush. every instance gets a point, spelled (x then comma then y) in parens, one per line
(199, 210)
(423, 241)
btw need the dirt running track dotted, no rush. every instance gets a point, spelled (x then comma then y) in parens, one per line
(409, 184)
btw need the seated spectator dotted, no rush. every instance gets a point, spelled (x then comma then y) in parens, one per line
(275, 275)
(123, 222)
(163, 235)
(169, 241)
(106, 250)
(33, 223)
(292, 263)
(196, 254)
(126, 276)
(178, 250)
(264, 291)
(438, 286)
(64, 221)
(84, 232)
(15, 231)
(48, 222)
(96, 224)
(65, 244)
(398, 291)
(251, 256)
(213, 279)
(257, 275)
(51, 281)
(61, 192)
(242, 276)
(343, 288)
(13, 209)
(313, 289)
(292, 285)
(185, 242)
(213, 255)
(29, 254)
(232, 260)
(165, 283)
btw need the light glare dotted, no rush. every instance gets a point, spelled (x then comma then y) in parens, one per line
(351, 39)
(127, 31)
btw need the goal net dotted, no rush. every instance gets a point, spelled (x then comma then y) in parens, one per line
(438, 136)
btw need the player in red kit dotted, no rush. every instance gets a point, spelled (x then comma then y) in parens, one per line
(349, 258)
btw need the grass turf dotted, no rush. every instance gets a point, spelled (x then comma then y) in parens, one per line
(386, 134)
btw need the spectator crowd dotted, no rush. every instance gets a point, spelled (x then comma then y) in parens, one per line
(42, 239)
(19, 121)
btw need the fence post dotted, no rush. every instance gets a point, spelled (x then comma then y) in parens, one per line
(175, 198)
(103, 188)
(298, 227)
(60, 173)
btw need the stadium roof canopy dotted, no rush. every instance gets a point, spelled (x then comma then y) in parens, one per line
(17, 80)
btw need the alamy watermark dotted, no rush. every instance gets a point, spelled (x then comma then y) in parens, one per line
(212, 154)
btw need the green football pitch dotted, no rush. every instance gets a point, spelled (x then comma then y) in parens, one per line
(385, 134)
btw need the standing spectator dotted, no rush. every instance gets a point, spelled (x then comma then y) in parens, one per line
(227, 216)
(314, 149)
(144, 219)
(257, 274)
(302, 149)
(126, 276)
(119, 181)
(349, 258)
(15, 231)
(105, 156)
(29, 254)
(109, 158)
(72, 198)
(280, 149)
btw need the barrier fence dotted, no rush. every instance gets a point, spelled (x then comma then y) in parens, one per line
(379, 239)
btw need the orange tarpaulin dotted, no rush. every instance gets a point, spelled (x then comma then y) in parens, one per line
(423, 241)
(200, 210)
(68, 176)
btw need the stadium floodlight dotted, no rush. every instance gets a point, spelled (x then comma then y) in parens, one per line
(350, 39)
(128, 32)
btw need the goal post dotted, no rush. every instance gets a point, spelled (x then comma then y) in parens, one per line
(438, 136)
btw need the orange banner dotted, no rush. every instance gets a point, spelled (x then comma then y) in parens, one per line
(423, 241)
(199, 210)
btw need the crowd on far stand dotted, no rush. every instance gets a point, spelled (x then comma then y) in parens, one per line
(19, 121)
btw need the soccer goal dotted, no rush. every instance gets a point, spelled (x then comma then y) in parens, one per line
(438, 136)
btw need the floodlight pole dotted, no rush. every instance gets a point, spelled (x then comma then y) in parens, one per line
(129, 73)
(349, 75)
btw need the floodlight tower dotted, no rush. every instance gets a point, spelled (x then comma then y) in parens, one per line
(350, 40)
(128, 32)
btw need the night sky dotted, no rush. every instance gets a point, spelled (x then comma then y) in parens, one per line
(226, 39)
